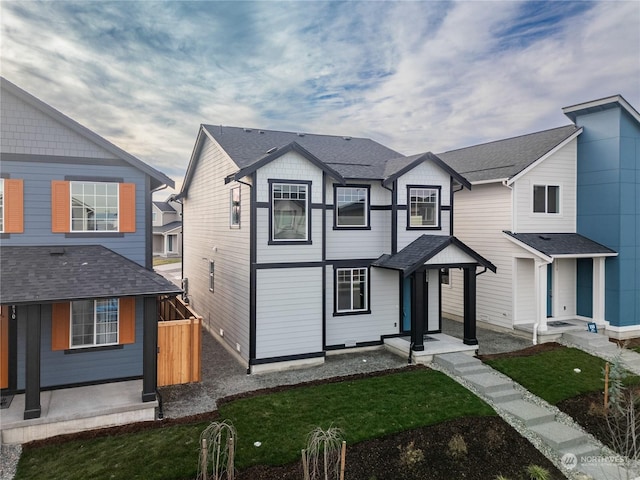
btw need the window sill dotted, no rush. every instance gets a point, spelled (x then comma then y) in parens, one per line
(436, 227)
(346, 314)
(351, 227)
(94, 235)
(72, 351)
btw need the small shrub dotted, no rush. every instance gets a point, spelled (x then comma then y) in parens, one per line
(322, 457)
(410, 456)
(536, 472)
(217, 452)
(457, 446)
(495, 437)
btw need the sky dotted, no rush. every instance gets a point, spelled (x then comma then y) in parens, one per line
(413, 75)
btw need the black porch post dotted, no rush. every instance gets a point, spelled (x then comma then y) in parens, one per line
(32, 408)
(150, 350)
(418, 310)
(470, 306)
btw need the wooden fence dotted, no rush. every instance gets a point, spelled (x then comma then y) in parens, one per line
(179, 342)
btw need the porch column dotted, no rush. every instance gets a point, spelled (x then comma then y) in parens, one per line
(150, 350)
(418, 311)
(32, 408)
(469, 334)
(540, 278)
(598, 293)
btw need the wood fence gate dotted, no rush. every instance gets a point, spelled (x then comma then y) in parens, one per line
(179, 342)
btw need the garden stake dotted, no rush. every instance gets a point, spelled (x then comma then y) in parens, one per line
(205, 460)
(606, 388)
(342, 459)
(305, 468)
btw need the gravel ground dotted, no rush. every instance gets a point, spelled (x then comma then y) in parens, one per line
(9, 456)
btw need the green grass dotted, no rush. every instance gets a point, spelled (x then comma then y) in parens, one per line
(165, 261)
(363, 409)
(551, 376)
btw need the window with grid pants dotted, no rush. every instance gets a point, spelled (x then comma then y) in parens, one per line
(351, 204)
(423, 204)
(290, 210)
(351, 290)
(94, 322)
(94, 207)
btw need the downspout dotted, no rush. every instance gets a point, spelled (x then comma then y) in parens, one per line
(451, 204)
(178, 199)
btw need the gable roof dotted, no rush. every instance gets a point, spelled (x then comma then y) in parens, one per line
(601, 104)
(158, 178)
(73, 272)
(425, 247)
(554, 245)
(504, 159)
(168, 227)
(164, 206)
(344, 158)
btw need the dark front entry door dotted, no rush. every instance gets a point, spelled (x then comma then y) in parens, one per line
(406, 304)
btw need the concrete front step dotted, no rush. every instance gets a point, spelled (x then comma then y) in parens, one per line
(582, 452)
(489, 383)
(588, 339)
(472, 370)
(559, 436)
(528, 413)
(451, 361)
(504, 396)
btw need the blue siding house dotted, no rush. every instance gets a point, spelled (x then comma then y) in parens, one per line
(77, 293)
(608, 205)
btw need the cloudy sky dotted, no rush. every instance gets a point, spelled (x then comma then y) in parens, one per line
(415, 76)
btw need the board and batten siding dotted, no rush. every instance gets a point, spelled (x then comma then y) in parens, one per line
(60, 368)
(26, 130)
(481, 215)
(370, 327)
(559, 169)
(37, 178)
(208, 236)
(288, 312)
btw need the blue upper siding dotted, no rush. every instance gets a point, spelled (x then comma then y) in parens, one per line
(609, 204)
(37, 179)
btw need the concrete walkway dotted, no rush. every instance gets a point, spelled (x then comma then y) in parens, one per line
(554, 433)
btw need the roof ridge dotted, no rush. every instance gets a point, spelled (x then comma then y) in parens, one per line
(298, 133)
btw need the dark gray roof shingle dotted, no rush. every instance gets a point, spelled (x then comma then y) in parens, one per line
(505, 158)
(168, 227)
(164, 206)
(552, 244)
(418, 252)
(54, 273)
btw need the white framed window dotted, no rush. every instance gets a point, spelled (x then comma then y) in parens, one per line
(154, 216)
(445, 277)
(1, 205)
(289, 212)
(234, 207)
(352, 288)
(351, 207)
(423, 207)
(546, 199)
(94, 322)
(94, 207)
(212, 272)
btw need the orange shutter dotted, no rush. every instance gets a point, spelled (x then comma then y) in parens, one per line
(13, 206)
(127, 208)
(60, 207)
(127, 320)
(60, 324)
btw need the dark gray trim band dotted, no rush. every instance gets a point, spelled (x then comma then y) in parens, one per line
(93, 178)
(286, 358)
(25, 157)
(94, 235)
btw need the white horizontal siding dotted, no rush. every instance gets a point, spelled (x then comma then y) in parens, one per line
(288, 312)
(345, 244)
(525, 295)
(207, 236)
(384, 316)
(285, 253)
(433, 299)
(480, 216)
(559, 169)
(26, 130)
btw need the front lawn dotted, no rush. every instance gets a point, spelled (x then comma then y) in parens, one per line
(552, 375)
(364, 409)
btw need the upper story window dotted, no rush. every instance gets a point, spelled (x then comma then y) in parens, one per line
(11, 205)
(423, 207)
(234, 207)
(94, 322)
(351, 290)
(290, 219)
(546, 199)
(212, 273)
(94, 207)
(351, 207)
(154, 216)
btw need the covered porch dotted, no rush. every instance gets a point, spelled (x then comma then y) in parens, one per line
(420, 265)
(559, 284)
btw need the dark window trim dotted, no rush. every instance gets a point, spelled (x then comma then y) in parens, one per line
(546, 198)
(96, 234)
(87, 178)
(73, 351)
(367, 311)
(307, 241)
(367, 226)
(235, 226)
(438, 207)
(212, 275)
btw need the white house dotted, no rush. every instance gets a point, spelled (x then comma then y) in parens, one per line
(521, 213)
(297, 244)
(167, 228)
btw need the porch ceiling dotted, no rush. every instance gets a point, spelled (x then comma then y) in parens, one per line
(52, 273)
(560, 245)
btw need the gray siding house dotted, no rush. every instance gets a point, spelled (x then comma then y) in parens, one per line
(77, 292)
(167, 228)
(299, 244)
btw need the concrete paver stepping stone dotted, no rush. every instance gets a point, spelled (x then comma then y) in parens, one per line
(560, 436)
(528, 413)
(451, 361)
(488, 382)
